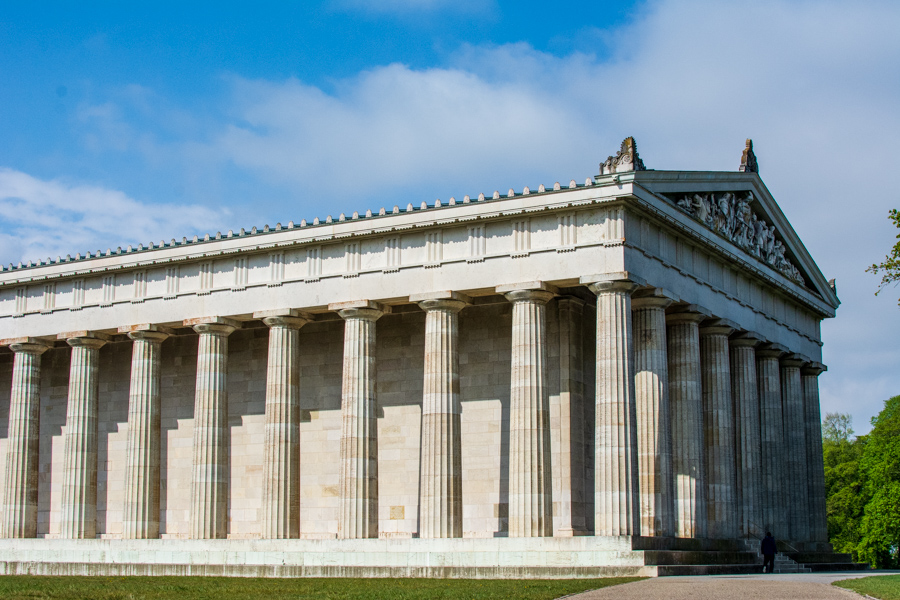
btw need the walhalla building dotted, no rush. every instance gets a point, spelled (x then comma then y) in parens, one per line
(617, 376)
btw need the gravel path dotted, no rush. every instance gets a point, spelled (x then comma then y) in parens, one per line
(806, 586)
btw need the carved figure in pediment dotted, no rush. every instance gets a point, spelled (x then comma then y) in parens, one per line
(702, 209)
(725, 214)
(732, 217)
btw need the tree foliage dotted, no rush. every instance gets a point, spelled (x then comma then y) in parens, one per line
(862, 483)
(837, 427)
(889, 269)
(844, 483)
(880, 528)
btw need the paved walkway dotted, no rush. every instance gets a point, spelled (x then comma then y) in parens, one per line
(788, 586)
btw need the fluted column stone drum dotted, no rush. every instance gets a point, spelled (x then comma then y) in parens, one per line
(795, 457)
(818, 518)
(440, 479)
(281, 445)
(209, 482)
(718, 429)
(746, 430)
(651, 383)
(358, 488)
(141, 518)
(20, 493)
(772, 438)
(530, 501)
(78, 516)
(616, 504)
(686, 409)
(569, 501)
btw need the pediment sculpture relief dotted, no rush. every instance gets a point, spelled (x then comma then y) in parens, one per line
(731, 216)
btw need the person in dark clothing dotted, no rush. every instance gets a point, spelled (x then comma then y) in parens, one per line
(768, 549)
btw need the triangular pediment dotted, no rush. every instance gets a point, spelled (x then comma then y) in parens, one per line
(739, 208)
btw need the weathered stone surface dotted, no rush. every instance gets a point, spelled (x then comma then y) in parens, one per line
(818, 518)
(616, 504)
(718, 430)
(20, 492)
(78, 517)
(775, 514)
(359, 441)
(796, 476)
(688, 440)
(141, 509)
(651, 381)
(209, 483)
(281, 467)
(529, 412)
(747, 431)
(440, 504)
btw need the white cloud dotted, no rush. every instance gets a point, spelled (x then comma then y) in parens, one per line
(44, 219)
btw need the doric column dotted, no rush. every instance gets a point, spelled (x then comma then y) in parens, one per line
(651, 387)
(745, 391)
(78, 518)
(772, 439)
(20, 497)
(141, 519)
(616, 501)
(818, 519)
(797, 478)
(209, 483)
(568, 472)
(281, 466)
(530, 502)
(686, 408)
(440, 480)
(359, 432)
(718, 425)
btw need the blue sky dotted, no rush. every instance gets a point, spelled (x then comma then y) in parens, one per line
(120, 124)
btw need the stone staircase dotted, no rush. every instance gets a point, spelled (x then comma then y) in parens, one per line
(785, 564)
(726, 557)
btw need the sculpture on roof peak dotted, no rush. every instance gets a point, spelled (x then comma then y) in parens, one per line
(748, 159)
(627, 159)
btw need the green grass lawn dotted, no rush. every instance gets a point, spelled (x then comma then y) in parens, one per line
(885, 587)
(21, 587)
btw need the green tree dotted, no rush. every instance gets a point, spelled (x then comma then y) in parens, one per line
(837, 427)
(845, 488)
(890, 267)
(880, 526)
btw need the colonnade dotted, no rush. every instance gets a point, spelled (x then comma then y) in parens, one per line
(702, 429)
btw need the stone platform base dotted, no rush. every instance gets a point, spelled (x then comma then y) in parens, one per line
(497, 558)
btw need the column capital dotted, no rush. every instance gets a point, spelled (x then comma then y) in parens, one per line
(621, 281)
(84, 339)
(146, 331)
(813, 369)
(747, 339)
(528, 291)
(28, 345)
(768, 350)
(442, 300)
(794, 360)
(290, 318)
(652, 298)
(368, 310)
(686, 313)
(213, 325)
(718, 327)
